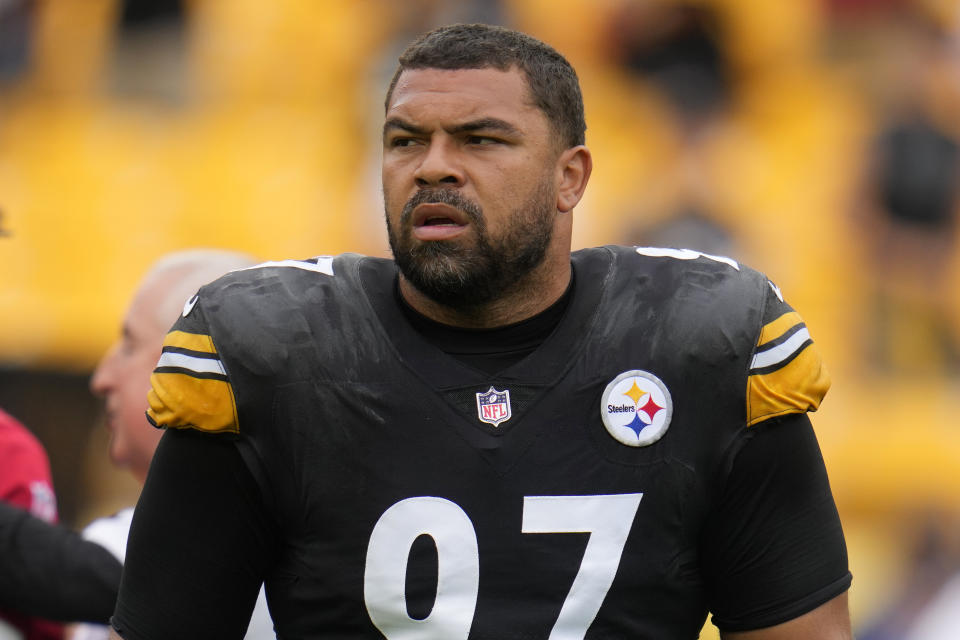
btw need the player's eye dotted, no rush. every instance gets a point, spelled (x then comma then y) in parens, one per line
(482, 140)
(401, 142)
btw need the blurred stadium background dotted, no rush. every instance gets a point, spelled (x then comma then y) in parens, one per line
(815, 139)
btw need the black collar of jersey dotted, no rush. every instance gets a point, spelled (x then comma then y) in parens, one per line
(543, 366)
(490, 350)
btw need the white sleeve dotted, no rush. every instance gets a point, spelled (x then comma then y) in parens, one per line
(111, 532)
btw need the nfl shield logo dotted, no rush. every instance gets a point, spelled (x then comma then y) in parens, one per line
(493, 407)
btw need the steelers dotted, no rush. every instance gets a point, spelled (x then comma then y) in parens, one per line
(636, 408)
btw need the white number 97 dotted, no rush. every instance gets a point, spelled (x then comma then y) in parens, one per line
(607, 518)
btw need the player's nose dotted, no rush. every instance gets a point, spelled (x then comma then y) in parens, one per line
(440, 165)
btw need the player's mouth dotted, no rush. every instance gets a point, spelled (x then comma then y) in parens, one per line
(434, 221)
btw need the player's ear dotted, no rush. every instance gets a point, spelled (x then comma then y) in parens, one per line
(573, 171)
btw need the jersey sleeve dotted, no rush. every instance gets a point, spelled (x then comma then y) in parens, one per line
(190, 387)
(786, 374)
(201, 514)
(52, 572)
(773, 546)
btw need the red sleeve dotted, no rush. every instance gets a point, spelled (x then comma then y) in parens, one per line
(25, 479)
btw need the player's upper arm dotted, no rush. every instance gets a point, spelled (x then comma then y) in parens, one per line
(201, 514)
(829, 621)
(786, 373)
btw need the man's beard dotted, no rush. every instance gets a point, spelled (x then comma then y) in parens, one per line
(464, 276)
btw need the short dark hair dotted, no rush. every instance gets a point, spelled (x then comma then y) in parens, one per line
(553, 82)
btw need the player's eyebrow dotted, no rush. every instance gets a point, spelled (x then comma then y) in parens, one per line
(483, 124)
(399, 123)
(486, 124)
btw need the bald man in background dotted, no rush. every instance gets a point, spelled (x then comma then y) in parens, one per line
(122, 379)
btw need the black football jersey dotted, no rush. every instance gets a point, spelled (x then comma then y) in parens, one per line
(564, 497)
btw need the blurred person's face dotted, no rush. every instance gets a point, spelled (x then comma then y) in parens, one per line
(122, 378)
(469, 180)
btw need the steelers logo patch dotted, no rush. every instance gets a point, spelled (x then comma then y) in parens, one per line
(636, 408)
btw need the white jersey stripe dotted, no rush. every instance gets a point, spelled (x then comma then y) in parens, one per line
(324, 265)
(781, 352)
(197, 365)
(684, 254)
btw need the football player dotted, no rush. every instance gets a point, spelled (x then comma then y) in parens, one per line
(488, 437)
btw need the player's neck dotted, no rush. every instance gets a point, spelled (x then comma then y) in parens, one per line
(525, 299)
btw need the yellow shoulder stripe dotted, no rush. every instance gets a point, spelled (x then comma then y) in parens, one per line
(797, 387)
(775, 329)
(191, 341)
